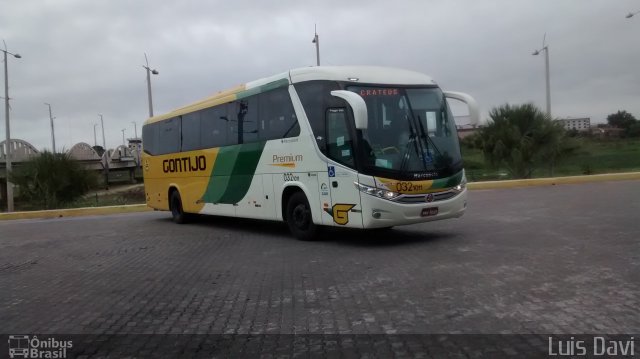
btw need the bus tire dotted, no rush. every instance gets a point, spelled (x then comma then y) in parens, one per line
(299, 218)
(175, 205)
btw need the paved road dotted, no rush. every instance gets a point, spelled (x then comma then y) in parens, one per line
(555, 259)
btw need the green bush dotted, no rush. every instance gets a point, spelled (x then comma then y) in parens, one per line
(51, 180)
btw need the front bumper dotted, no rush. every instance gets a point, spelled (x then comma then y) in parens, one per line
(379, 213)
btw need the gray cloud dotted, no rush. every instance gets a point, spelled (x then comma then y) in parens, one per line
(85, 57)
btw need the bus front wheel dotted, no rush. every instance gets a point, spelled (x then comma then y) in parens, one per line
(299, 217)
(175, 204)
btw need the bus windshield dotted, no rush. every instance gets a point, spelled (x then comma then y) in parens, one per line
(410, 130)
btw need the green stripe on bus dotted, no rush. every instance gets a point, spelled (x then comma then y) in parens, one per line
(263, 88)
(448, 182)
(233, 172)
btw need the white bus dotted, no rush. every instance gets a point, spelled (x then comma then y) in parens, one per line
(359, 147)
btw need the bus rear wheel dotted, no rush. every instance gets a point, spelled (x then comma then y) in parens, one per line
(175, 204)
(299, 218)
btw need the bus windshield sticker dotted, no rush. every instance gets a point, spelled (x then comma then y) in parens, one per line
(332, 171)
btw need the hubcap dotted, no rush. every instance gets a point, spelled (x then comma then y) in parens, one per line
(300, 216)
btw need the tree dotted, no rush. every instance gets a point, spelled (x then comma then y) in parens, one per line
(621, 119)
(521, 138)
(52, 179)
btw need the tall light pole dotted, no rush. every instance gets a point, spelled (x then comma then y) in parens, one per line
(6, 116)
(149, 72)
(136, 141)
(316, 40)
(95, 139)
(632, 14)
(106, 155)
(545, 48)
(53, 134)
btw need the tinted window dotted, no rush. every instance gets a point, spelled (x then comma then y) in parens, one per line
(339, 144)
(191, 132)
(168, 136)
(213, 127)
(150, 138)
(277, 117)
(316, 98)
(247, 115)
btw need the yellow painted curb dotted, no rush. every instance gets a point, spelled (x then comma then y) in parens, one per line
(75, 212)
(92, 211)
(554, 181)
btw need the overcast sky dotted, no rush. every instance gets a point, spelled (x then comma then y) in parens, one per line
(85, 57)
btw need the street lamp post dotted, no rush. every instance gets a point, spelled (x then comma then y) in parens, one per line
(136, 141)
(632, 14)
(545, 48)
(149, 72)
(95, 139)
(316, 40)
(53, 135)
(8, 128)
(106, 155)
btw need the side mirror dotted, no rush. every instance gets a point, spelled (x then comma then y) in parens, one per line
(474, 112)
(358, 106)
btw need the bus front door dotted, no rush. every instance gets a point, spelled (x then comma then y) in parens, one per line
(344, 209)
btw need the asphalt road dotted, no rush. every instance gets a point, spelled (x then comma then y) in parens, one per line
(553, 259)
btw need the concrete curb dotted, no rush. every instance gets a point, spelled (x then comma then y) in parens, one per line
(626, 176)
(75, 212)
(91, 211)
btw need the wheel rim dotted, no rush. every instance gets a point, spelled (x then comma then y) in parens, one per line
(175, 208)
(301, 216)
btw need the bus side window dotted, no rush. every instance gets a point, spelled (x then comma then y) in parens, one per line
(247, 111)
(277, 117)
(150, 134)
(213, 129)
(339, 143)
(191, 131)
(169, 136)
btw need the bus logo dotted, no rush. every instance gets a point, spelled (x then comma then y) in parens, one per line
(429, 197)
(18, 346)
(340, 212)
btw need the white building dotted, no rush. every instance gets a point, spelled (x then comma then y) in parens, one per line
(580, 124)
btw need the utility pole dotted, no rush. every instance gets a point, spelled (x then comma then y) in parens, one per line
(95, 140)
(545, 48)
(316, 40)
(8, 128)
(106, 155)
(53, 134)
(136, 141)
(149, 73)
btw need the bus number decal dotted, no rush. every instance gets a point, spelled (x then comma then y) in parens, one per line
(184, 164)
(290, 177)
(407, 187)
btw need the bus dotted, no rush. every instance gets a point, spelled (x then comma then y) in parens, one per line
(343, 146)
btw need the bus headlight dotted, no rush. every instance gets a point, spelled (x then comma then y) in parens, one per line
(462, 185)
(378, 192)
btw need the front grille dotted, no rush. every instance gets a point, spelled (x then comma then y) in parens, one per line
(422, 198)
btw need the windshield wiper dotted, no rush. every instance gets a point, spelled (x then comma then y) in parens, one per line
(425, 137)
(406, 153)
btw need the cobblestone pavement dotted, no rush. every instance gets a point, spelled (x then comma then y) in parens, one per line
(555, 259)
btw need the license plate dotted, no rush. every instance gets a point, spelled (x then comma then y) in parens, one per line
(431, 211)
